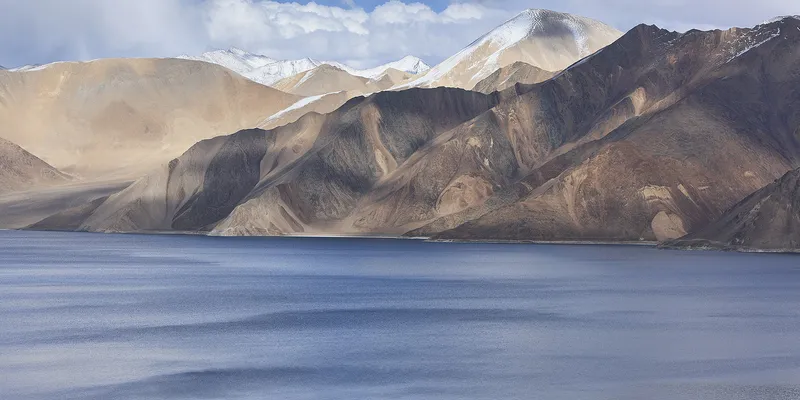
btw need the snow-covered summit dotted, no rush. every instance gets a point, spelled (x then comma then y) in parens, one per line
(234, 59)
(267, 71)
(410, 64)
(546, 39)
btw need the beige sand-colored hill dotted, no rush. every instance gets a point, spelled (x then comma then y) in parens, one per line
(20, 170)
(322, 80)
(328, 102)
(326, 79)
(123, 117)
(510, 75)
(322, 104)
(389, 78)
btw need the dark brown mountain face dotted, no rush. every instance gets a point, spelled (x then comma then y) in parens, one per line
(660, 134)
(769, 219)
(651, 138)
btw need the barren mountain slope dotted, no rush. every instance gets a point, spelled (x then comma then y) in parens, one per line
(327, 79)
(510, 75)
(327, 102)
(321, 104)
(122, 117)
(320, 165)
(389, 78)
(769, 219)
(21, 170)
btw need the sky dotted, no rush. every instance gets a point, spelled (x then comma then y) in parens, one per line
(362, 33)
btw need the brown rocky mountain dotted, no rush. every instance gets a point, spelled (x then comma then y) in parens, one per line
(684, 127)
(506, 77)
(769, 219)
(20, 169)
(123, 117)
(653, 137)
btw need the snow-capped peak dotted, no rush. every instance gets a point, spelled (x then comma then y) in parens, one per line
(410, 64)
(236, 60)
(557, 40)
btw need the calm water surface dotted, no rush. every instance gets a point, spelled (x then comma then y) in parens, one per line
(85, 316)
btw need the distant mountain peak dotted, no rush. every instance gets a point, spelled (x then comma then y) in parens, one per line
(410, 64)
(535, 22)
(545, 39)
(268, 71)
(234, 59)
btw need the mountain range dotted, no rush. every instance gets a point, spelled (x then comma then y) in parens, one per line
(268, 71)
(552, 127)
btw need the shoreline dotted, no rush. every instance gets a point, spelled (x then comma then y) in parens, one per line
(669, 245)
(357, 236)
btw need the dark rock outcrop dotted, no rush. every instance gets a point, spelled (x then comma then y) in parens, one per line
(668, 132)
(767, 220)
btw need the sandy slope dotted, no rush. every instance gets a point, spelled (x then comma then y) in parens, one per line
(325, 103)
(122, 117)
(20, 170)
(329, 79)
(25, 207)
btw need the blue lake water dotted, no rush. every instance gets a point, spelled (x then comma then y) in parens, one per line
(87, 316)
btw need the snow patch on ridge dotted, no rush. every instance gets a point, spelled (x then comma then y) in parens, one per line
(750, 44)
(781, 18)
(299, 104)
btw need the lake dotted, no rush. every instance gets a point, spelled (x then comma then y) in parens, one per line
(91, 316)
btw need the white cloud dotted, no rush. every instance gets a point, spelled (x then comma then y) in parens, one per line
(37, 31)
(678, 15)
(391, 30)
